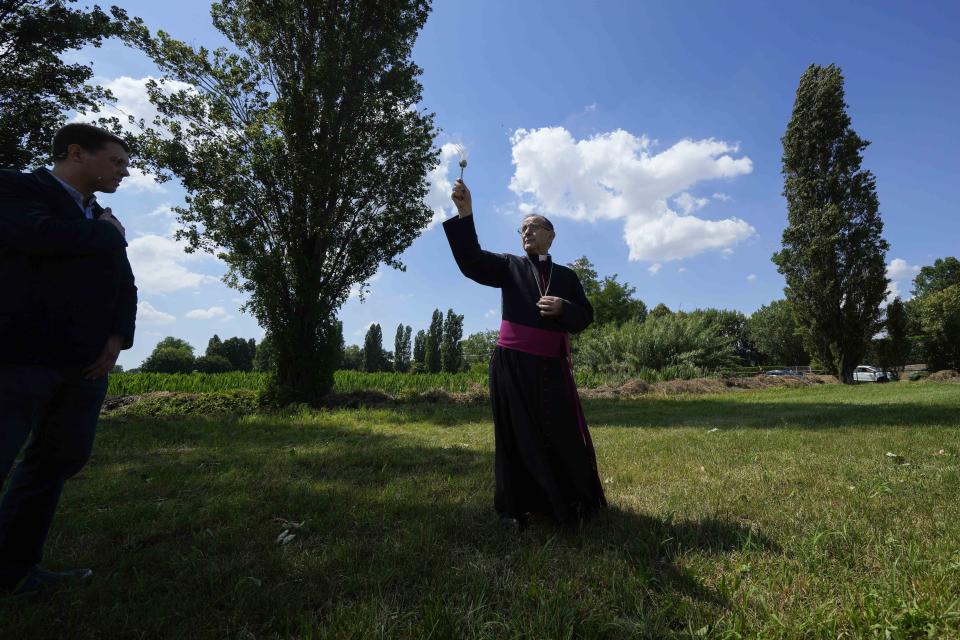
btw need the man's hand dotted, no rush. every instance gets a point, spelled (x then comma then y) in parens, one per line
(108, 358)
(461, 198)
(550, 306)
(107, 216)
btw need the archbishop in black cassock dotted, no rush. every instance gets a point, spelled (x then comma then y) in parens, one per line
(545, 461)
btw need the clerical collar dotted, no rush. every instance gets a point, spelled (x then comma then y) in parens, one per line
(543, 258)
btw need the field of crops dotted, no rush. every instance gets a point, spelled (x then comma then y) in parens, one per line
(344, 382)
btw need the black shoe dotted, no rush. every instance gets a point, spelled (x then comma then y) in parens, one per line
(40, 581)
(513, 525)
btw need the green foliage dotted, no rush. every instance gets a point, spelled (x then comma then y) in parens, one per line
(374, 359)
(264, 358)
(660, 311)
(733, 326)
(238, 353)
(676, 340)
(945, 272)
(212, 364)
(433, 343)
(36, 87)
(896, 345)
(451, 351)
(352, 358)
(477, 347)
(940, 322)
(401, 349)
(304, 154)
(833, 248)
(612, 301)
(171, 355)
(772, 330)
(420, 349)
(232, 402)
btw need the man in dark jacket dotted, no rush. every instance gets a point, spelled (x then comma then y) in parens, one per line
(67, 308)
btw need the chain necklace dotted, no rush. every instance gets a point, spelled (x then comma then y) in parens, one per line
(536, 277)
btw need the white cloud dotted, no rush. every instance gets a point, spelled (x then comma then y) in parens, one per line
(132, 99)
(441, 184)
(901, 274)
(140, 182)
(722, 197)
(617, 176)
(208, 314)
(159, 265)
(164, 210)
(363, 330)
(688, 204)
(148, 314)
(752, 277)
(682, 270)
(654, 268)
(491, 313)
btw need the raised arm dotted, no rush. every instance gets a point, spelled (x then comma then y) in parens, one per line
(490, 269)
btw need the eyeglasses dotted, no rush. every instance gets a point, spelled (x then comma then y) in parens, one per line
(523, 230)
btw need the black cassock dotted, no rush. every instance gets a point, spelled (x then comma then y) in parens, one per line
(545, 462)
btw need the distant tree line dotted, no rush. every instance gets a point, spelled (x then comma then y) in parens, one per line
(438, 348)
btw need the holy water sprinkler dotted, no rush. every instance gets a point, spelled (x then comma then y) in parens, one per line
(462, 154)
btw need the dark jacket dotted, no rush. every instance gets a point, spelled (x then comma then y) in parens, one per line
(65, 281)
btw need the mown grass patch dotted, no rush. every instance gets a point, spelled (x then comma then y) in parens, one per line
(761, 514)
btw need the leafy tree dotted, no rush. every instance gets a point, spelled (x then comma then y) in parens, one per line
(373, 356)
(612, 301)
(36, 87)
(733, 325)
(264, 357)
(432, 344)
(214, 346)
(353, 358)
(420, 348)
(772, 330)
(451, 352)
(401, 349)
(944, 272)
(477, 347)
(239, 352)
(833, 249)
(171, 355)
(212, 364)
(660, 311)
(940, 322)
(304, 156)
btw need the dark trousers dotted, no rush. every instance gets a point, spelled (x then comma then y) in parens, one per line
(58, 410)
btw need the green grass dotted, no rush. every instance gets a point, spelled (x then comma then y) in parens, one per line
(770, 514)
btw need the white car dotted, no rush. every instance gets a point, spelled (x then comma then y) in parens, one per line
(866, 373)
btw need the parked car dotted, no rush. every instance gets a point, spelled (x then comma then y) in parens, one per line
(866, 373)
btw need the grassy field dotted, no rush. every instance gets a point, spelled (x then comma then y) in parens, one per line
(768, 514)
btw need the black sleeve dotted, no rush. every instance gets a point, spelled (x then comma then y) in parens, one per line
(490, 269)
(577, 311)
(28, 226)
(125, 316)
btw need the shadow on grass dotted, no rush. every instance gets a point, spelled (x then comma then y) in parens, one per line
(392, 537)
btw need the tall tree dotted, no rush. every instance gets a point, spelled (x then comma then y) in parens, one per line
(420, 348)
(833, 249)
(305, 157)
(401, 349)
(612, 301)
(373, 356)
(432, 345)
(36, 87)
(773, 332)
(451, 352)
(171, 355)
(944, 272)
(214, 346)
(660, 311)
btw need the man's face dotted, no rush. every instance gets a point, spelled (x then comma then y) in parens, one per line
(105, 168)
(535, 236)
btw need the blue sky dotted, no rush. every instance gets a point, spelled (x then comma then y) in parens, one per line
(649, 132)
